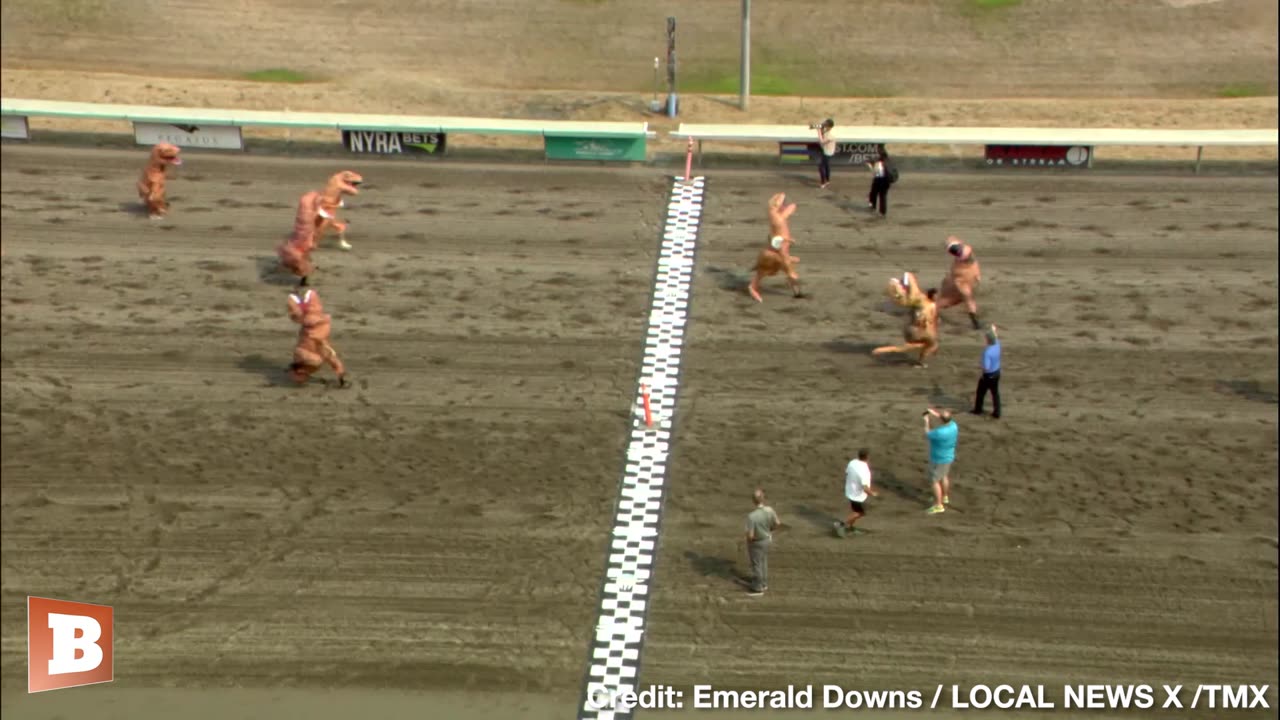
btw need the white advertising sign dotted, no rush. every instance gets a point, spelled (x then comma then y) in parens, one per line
(215, 137)
(15, 127)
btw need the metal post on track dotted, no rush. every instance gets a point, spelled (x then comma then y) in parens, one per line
(1199, 156)
(744, 80)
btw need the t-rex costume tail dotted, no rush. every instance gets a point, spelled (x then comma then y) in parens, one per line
(151, 185)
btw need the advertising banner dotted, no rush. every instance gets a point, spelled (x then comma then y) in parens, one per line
(1039, 155)
(589, 148)
(384, 142)
(213, 137)
(847, 152)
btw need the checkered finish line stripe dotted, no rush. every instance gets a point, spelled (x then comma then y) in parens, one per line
(614, 664)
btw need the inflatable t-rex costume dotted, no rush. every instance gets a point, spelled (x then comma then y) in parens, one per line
(151, 185)
(295, 253)
(961, 282)
(921, 331)
(776, 257)
(313, 350)
(343, 183)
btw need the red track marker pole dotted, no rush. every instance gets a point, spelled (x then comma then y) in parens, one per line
(648, 413)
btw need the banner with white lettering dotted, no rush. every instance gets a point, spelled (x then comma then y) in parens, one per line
(1076, 156)
(384, 142)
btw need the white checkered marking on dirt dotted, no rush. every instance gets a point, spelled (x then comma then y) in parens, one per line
(624, 601)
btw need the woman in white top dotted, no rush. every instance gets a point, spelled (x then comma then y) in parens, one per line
(827, 148)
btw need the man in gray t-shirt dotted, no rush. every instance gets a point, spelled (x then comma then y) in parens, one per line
(761, 522)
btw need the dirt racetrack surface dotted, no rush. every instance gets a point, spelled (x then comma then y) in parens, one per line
(1117, 525)
(442, 524)
(448, 512)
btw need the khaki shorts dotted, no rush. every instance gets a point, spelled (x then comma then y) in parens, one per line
(938, 472)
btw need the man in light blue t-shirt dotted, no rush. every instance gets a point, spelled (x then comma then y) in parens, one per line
(942, 452)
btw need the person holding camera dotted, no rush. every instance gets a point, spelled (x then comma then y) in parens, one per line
(826, 148)
(942, 453)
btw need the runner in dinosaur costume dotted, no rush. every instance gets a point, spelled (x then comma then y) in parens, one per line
(776, 257)
(312, 350)
(962, 280)
(343, 183)
(151, 184)
(921, 331)
(295, 252)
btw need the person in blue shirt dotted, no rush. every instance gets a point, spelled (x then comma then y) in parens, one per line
(942, 452)
(990, 379)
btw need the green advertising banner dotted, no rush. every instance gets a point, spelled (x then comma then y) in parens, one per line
(596, 148)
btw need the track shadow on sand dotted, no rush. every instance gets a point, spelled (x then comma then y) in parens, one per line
(887, 480)
(730, 279)
(270, 272)
(135, 209)
(865, 348)
(272, 372)
(1249, 390)
(819, 519)
(717, 567)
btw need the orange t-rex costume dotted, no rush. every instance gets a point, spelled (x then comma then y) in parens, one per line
(343, 183)
(313, 350)
(295, 253)
(151, 184)
(961, 282)
(776, 257)
(921, 331)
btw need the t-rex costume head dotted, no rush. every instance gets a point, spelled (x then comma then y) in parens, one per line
(165, 154)
(343, 183)
(958, 248)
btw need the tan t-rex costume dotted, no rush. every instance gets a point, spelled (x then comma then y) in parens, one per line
(776, 257)
(152, 183)
(343, 183)
(312, 350)
(962, 280)
(921, 331)
(295, 252)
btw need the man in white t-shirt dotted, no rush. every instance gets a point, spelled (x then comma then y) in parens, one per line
(857, 486)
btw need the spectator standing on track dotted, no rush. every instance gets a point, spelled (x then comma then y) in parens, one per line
(826, 148)
(857, 486)
(942, 453)
(761, 522)
(882, 174)
(990, 379)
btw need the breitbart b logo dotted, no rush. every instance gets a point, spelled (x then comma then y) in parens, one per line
(68, 644)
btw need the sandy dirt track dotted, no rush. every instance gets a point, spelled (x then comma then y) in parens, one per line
(442, 524)
(1117, 525)
(459, 494)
